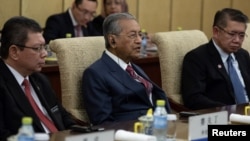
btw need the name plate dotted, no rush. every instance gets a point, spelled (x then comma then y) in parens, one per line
(95, 136)
(198, 125)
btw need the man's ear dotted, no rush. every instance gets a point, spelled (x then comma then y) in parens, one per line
(13, 52)
(112, 40)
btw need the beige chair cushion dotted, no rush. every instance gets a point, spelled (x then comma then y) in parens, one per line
(172, 46)
(246, 42)
(74, 56)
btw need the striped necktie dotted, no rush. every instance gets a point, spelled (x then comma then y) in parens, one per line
(146, 83)
(45, 120)
(78, 29)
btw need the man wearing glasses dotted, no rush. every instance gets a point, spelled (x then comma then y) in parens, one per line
(23, 90)
(218, 72)
(114, 88)
(75, 22)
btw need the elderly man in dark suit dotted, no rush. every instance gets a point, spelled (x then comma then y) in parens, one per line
(23, 90)
(75, 22)
(207, 70)
(111, 93)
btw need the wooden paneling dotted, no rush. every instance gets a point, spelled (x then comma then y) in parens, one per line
(99, 7)
(132, 7)
(242, 5)
(8, 8)
(39, 10)
(186, 14)
(210, 7)
(154, 16)
(67, 4)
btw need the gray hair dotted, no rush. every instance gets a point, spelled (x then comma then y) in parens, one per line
(111, 25)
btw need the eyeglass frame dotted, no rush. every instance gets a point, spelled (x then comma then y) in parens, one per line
(86, 12)
(37, 49)
(232, 35)
(132, 36)
(111, 2)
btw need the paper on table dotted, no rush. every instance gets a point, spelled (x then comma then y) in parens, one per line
(239, 118)
(122, 135)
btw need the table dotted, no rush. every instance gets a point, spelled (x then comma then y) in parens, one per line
(182, 123)
(149, 64)
(182, 128)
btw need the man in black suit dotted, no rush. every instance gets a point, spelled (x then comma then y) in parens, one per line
(65, 24)
(205, 79)
(112, 94)
(23, 53)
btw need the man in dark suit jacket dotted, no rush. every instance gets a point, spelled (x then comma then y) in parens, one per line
(110, 93)
(205, 79)
(23, 53)
(63, 25)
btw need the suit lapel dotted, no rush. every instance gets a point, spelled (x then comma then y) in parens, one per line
(15, 90)
(18, 94)
(37, 87)
(123, 77)
(216, 61)
(218, 64)
(69, 24)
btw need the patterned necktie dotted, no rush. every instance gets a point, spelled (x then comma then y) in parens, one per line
(237, 85)
(45, 120)
(146, 83)
(78, 29)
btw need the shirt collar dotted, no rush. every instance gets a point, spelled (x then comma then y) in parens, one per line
(119, 61)
(72, 17)
(17, 75)
(222, 53)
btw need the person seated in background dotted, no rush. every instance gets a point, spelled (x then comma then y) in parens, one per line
(75, 22)
(114, 88)
(208, 75)
(109, 7)
(23, 90)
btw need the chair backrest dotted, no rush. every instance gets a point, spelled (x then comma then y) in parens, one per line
(172, 47)
(246, 42)
(74, 56)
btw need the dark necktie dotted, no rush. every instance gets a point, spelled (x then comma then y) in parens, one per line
(238, 87)
(146, 83)
(78, 29)
(45, 120)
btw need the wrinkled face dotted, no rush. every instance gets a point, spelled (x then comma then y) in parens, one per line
(230, 38)
(113, 6)
(84, 12)
(128, 43)
(32, 57)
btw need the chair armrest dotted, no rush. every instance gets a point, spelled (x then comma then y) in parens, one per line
(80, 122)
(177, 107)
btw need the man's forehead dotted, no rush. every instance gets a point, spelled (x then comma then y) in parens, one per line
(87, 3)
(129, 25)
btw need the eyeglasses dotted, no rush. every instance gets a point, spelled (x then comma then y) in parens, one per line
(233, 35)
(37, 49)
(109, 3)
(86, 12)
(132, 36)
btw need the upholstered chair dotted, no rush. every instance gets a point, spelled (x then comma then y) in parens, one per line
(172, 46)
(246, 42)
(74, 56)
